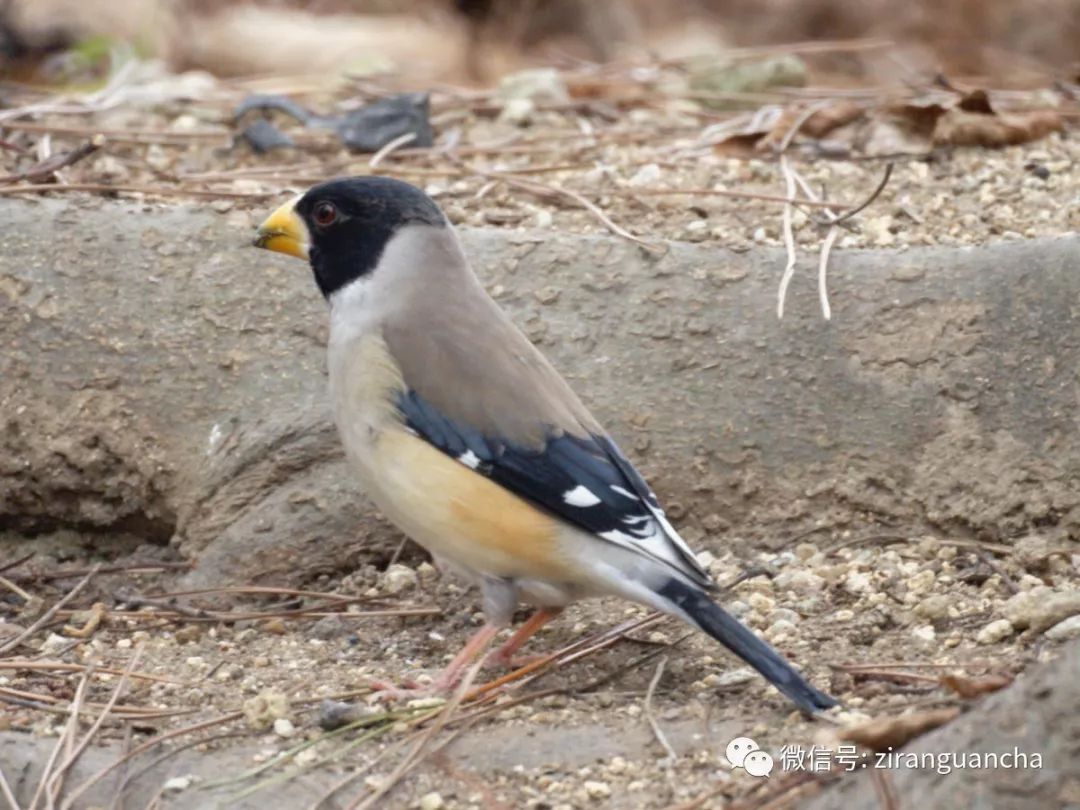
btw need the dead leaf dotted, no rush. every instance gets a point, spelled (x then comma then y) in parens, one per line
(605, 89)
(962, 128)
(977, 101)
(825, 120)
(969, 687)
(819, 124)
(85, 622)
(893, 732)
(742, 144)
(921, 115)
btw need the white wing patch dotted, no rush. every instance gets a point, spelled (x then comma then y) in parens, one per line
(580, 496)
(624, 492)
(471, 460)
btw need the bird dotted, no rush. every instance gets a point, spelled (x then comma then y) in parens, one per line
(465, 436)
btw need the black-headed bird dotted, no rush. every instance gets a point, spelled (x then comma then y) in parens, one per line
(466, 437)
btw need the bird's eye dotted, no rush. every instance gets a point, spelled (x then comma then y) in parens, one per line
(325, 214)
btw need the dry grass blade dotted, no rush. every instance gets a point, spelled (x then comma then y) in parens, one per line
(553, 190)
(138, 568)
(166, 608)
(391, 147)
(823, 271)
(789, 235)
(77, 750)
(47, 774)
(46, 168)
(858, 209)
(262, 590)
(719, 192)
(885, 790)
(45, 666)
(128, 778)
(7, 793)
(15, 589)
(48, 615)
(158, 137)
(16, 562)
(33, 700)
(158, 191)
(572, 652)
(82, 788)
(350, 777)
(651, 717)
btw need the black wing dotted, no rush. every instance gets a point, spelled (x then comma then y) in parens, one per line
(584, 480)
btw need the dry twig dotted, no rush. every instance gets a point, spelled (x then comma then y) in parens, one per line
(49, 166)
(48, 615)
(551, 189)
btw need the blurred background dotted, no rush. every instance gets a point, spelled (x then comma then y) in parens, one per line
(476, 41)
(672, 117)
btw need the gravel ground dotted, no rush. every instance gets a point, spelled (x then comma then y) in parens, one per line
(908, 604)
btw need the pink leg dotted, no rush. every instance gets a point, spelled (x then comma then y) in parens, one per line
(504, 655)
(449, 677)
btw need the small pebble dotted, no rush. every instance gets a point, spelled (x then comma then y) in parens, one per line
(994, 632)
(177, 783)
(647, 175)
(800, 582)
(924, 633)
(597, 790)
(335, 714)
(399, 578)
(328, 628)
(933, 608)
(857, 582)
(431, 801)
(54, 643)
(283, 727)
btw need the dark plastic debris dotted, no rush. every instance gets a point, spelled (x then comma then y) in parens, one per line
(367, 129)
(264, 136)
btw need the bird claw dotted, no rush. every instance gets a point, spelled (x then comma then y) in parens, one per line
(410, 690)
(499, 660)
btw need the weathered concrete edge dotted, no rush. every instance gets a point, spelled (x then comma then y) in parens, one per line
(938, 364)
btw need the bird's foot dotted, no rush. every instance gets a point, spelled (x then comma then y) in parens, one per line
(388, 692)
(498, 660)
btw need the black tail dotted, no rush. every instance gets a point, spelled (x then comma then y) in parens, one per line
(730, 632)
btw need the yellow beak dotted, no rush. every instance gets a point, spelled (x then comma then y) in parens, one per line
(284, 232)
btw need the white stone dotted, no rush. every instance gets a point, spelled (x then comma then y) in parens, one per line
(924, 633)
(647, 175)
(539, 84)
(431, 801)
(597, 790)
(177, 783)
(283, 727)
(857, 582)
(399, 578)
(799, 581)
(994, 632)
